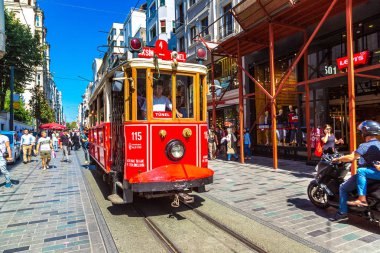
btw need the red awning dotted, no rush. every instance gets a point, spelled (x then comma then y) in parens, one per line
(52, 126)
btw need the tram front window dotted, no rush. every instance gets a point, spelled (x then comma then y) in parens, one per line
(185, 96)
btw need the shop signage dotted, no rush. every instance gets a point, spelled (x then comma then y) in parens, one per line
(330, 70)
(359, 59)
(162, 52)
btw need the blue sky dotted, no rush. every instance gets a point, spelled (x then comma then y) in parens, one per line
(73, 32)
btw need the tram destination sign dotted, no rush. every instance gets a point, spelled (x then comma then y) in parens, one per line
(162, 52)
(360, 58)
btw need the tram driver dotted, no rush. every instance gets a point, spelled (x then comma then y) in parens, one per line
(160, 102)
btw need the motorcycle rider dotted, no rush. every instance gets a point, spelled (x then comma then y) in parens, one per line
(367, 153)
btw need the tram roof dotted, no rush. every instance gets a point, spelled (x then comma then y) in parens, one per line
(291, 16)
(183, 67)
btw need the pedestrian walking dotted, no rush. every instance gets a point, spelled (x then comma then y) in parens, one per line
(65, 146)
(231, 144)
(44, 147)
(55, 137)
(85, 145)
(5, 154)
(26, 145)
(247, 144)
(212, 143)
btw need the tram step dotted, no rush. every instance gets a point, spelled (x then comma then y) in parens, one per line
(116, 199)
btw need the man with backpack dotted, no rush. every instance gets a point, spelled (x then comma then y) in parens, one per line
(5, 154)
(85, 145)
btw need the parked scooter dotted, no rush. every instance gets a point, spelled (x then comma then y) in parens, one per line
(323, 191)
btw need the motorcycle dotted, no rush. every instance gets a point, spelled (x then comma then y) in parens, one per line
(323, 191)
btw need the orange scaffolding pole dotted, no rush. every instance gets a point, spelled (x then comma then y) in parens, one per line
(213, 93)
(273, 99)
(304, 48)
(351, 81)
(241, 105)
(307, 100)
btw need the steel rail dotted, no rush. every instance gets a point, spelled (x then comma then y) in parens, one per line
(232, 233)
(157, 232)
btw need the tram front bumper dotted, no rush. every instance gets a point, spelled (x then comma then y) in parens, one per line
(174, 177)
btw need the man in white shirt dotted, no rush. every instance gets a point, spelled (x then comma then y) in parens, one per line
(26, 145)
(44, 146)
(5, 147)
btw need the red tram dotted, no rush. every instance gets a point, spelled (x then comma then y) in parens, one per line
(148, 130)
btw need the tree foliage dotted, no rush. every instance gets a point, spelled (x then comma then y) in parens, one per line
(40, 108)
(23, 51)
(21, 114)
(72, 125)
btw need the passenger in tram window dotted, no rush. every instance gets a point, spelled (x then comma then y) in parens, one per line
(160, 102)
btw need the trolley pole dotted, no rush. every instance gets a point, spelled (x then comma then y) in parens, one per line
(351, 81)
(12, 80)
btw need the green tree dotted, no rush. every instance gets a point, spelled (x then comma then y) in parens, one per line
(72, 125)
(21, 114)
(40, 108)
(23, 51)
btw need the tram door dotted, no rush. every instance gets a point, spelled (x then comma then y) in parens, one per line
(117, 128)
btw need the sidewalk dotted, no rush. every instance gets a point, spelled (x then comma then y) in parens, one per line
(48, 211)
(279, 200)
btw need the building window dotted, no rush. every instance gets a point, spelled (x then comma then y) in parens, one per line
(162, 2)
(182, 44)
(173, 26)
(163, 26)
(227, 20)
(121, 32)
(16, 1)
(152, 9)
(191, 2)
(193, 33)
(122, 44)
(38, 21)
(204, 24)
(181, 15)
(38, 79)
(153, 32)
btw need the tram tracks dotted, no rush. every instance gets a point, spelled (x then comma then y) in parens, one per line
(169, 245)
(196, 217)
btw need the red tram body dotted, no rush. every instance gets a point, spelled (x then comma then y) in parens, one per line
(141, 146)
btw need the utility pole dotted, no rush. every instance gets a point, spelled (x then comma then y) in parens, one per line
(12, 86)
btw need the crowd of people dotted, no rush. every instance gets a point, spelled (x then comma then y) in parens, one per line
(225, 143)
(45, 144)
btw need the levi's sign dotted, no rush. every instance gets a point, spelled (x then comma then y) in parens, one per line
(162, 52)
(359, 59)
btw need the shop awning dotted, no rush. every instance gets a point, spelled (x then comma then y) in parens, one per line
(289, 17)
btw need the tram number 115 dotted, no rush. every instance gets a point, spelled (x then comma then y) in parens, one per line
(136, 136)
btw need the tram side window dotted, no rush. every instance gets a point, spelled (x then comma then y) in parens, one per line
(141, 94)
(185, 96)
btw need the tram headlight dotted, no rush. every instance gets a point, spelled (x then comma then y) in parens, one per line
(175, 150)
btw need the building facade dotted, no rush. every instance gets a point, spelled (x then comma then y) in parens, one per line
(135, 26)
(160, 22)
(116, 43)
(31, 15)
(2, 30)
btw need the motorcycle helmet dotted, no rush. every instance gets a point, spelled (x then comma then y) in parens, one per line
(369, 128)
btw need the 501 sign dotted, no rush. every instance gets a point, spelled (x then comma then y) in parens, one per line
(330, 70)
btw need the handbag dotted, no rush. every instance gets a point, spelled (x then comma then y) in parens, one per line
(318, 149)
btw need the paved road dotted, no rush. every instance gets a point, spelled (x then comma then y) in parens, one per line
(48, 211)
(279, 200)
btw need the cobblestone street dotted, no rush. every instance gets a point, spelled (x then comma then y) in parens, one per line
(279, 200)
(48, 211)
